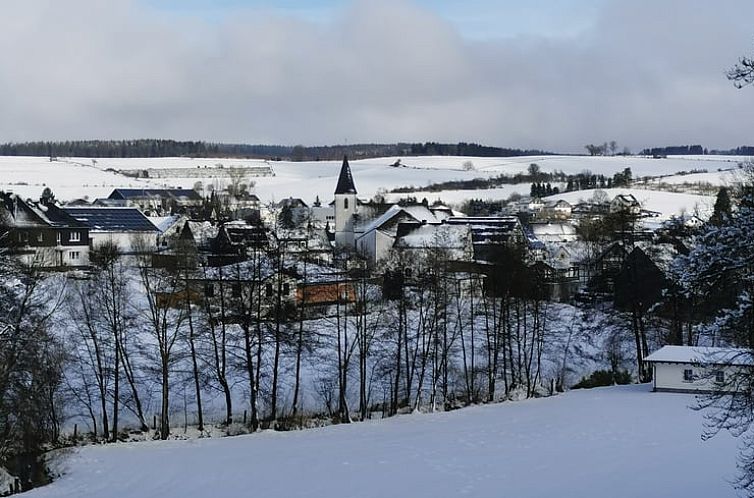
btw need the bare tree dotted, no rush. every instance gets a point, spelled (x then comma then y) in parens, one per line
(32, 362)
(164, 317)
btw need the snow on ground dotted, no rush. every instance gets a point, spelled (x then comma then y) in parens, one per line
(73, 178)
(606, 165)
(6, 482)
(619, 442)
(456, 197)
(28, 176)
(716, 178)
(666, 203)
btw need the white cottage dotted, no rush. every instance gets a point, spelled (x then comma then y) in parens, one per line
(698, 369)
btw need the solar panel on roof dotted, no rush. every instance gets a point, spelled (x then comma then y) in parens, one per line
(112, 219)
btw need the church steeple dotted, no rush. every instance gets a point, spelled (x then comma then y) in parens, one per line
(345, 180)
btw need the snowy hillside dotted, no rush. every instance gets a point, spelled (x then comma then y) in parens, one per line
(666, 203)
(74, 178)
(616, 442)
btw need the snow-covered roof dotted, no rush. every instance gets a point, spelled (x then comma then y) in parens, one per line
(702, 355)
(661, 254)
(418, 212)
(553, 229)
(446, 236)
(164, 223)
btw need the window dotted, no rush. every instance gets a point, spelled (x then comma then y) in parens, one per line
(73, 255)
(719, 376)
(58, 237)
(75, 237)
(209, 290)
(236, 290)
(23, 237)
(688, 375)
(40, 237)
(345, 203)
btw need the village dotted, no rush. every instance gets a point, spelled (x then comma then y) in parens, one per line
(180, 228)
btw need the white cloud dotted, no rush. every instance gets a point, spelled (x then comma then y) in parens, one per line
(647, 73)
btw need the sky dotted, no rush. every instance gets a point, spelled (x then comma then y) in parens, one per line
(550, 74)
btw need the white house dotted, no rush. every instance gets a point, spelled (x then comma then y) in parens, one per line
(699, 369)
(559, 209)
(625, 203)
(375, 239)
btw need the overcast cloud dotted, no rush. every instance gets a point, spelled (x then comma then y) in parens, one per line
(647, 72)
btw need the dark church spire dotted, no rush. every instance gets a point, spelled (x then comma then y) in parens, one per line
(345, 180)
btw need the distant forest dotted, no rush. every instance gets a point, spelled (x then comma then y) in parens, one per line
(697, 150)
(173, 148)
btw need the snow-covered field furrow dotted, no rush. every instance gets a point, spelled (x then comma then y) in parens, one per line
(616, 442)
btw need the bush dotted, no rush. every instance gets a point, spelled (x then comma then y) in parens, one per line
(604, 378)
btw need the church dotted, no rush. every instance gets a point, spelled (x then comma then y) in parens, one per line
(370, 227)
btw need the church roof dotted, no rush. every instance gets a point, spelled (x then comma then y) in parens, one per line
(345, 180)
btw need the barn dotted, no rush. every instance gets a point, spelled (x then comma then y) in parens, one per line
(694, 369)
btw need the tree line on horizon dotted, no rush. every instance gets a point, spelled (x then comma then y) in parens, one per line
(173, 148)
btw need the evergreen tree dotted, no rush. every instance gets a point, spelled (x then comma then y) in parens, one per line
(722, 210)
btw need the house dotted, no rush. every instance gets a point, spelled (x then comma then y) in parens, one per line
(288, 213)
(185, 244)
(454, 241)
(310, 242)
(42, 234)
(694, 369)
(321, 286)
(560, 210)
(375, 238)
(241, 286)
(560, 282)
(125, 227)
(590, 210)
(490, 233)
(535, 205)
(236, 241)
(156, 201)
(554, 232)
(625, 203)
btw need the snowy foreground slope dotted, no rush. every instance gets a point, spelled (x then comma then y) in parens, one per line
(617, 442)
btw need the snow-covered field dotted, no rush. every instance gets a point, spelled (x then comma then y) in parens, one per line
(665, 203)
(74, 178)
(617, 442)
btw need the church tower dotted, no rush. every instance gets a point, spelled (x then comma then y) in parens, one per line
(345, 207)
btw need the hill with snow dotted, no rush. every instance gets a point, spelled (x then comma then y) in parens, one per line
(72, 178)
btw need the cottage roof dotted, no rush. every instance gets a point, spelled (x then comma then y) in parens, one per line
(701, 355)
